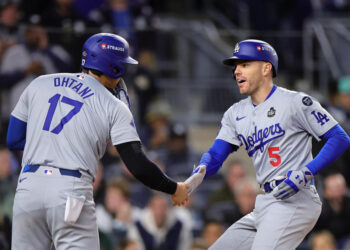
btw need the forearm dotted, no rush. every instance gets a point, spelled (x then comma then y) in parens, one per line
(215, 157)
(143, 169)
(337, 143)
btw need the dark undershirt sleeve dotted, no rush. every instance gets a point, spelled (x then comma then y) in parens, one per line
(143, 169)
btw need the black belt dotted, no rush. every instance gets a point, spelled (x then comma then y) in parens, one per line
(63, 171)
(269, 186)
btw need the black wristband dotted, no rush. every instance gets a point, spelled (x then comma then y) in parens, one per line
(143, 169)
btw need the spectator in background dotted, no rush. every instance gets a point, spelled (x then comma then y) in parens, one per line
(199, 244)
(5, 231)
(159, 227)
(117, 17)
(118, 215)
(128, 245)
(35, 56)
(86, 7)
(123, 17)
(8, 167)
(245, 192)
(112, 164)
(9, 36)
(142, 83)
(178, 156)
(7, 193)
(156, 134)
(62, 15)
(234, 172)
(341, 110)
(191, 216)
(113, 167)
(66, 27)
(228, 212)
(290, 16)
(9, 28)
(335, 8)
(338, 105)
(323, 240)
(99, 185)
(212, 231)
(8, 80)
(335, 215)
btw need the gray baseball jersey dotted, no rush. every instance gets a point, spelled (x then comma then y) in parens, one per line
(70, 118)
(276, 133)
(277, 136)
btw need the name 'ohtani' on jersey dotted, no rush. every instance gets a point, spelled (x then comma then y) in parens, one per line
(74, 85)
(261, 137)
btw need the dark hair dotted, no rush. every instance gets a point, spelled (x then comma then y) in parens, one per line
(121, 184)
(94, 71)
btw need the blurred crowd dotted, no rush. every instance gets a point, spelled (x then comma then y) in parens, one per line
(42, 37)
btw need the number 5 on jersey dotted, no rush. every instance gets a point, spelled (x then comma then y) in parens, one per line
(273, 154)
(53, 105)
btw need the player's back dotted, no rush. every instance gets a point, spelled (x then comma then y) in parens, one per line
(69, 121)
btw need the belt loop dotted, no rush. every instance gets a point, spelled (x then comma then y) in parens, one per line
(30, 168)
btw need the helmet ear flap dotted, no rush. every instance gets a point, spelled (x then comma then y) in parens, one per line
(118, 69)
(114, 69)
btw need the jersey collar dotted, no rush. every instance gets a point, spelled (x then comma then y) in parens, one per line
(270, 94)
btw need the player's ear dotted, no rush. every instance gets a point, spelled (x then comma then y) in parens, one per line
(267, 68)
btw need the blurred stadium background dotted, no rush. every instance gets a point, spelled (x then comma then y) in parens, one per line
(181, 89)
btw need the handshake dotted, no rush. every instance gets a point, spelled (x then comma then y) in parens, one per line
(184, 189)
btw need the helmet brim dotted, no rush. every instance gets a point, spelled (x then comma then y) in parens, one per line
(231, 61)
(131, 60)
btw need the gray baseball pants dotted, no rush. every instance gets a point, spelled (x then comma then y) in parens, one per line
(39, 212)
(274, 224)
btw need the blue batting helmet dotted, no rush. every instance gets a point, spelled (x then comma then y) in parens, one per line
(107, 53)
(255, 50)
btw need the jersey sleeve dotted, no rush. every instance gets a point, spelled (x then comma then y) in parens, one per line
(22, 107)
(227, 130)
(311, 116)
(123, 127)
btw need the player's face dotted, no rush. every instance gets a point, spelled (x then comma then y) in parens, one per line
(249, 76)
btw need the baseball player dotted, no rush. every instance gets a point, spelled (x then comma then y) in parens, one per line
(63, 122)
(275, 126)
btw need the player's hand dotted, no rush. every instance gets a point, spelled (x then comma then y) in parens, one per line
(180, 197)
(196, 179)
(295, 180)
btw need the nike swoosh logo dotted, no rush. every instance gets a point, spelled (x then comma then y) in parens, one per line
(22, 179)
(240, 118)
